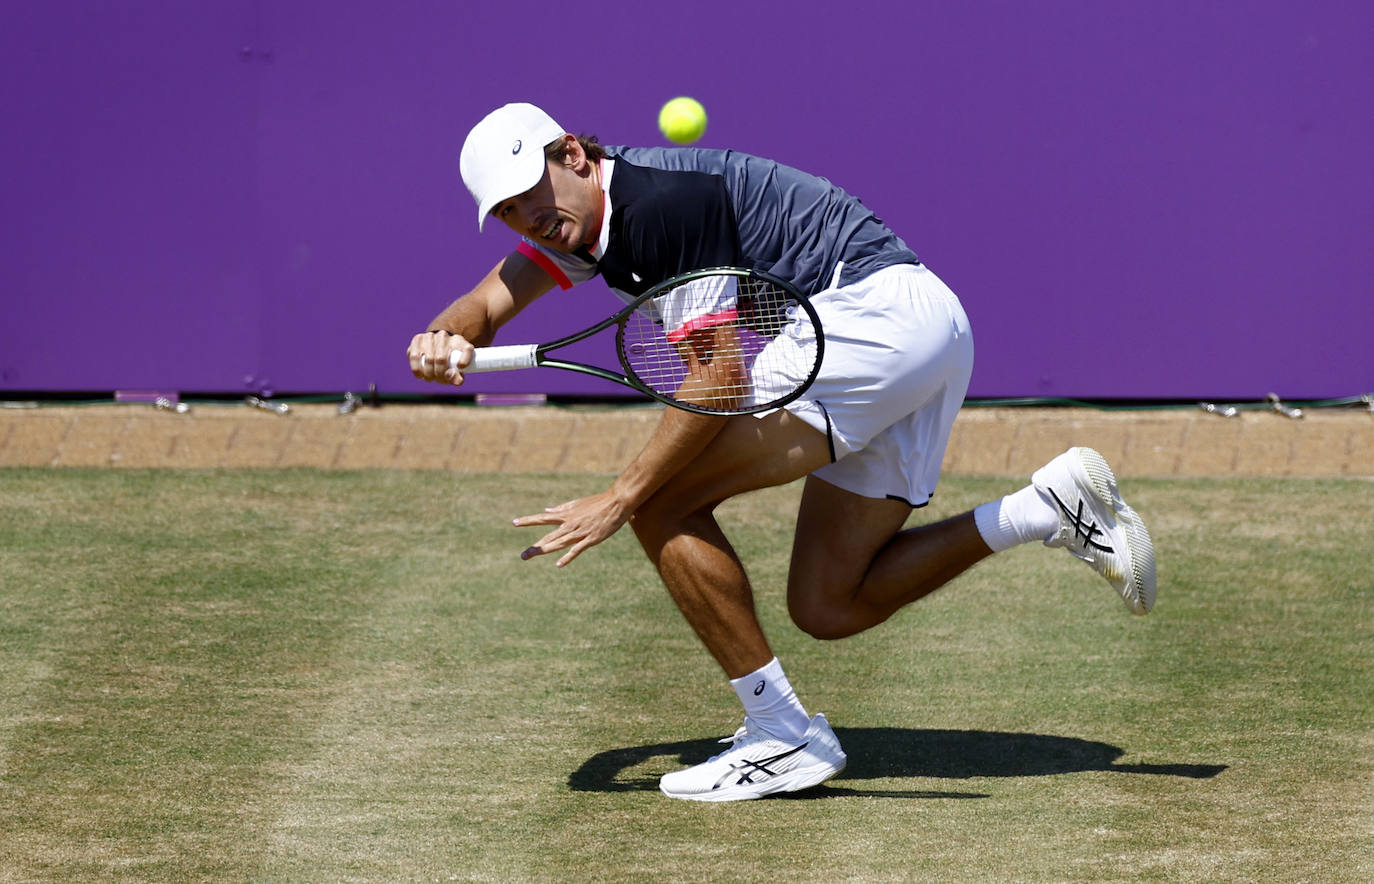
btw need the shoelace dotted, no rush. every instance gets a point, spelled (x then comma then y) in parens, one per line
(738, 740)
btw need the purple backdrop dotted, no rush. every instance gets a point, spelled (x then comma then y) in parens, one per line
(1158, 200)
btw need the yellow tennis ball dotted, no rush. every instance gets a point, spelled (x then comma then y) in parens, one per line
(682, 120)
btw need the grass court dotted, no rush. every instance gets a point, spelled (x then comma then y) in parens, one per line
(309, 675)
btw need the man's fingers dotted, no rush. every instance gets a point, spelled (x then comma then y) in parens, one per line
(429, 356)
(572, 553)
(578, 525)
(415, 354)
(544, 518)
(460, 356)
(551, 542)
(540, 549)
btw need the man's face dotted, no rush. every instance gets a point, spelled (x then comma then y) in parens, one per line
(562, 211)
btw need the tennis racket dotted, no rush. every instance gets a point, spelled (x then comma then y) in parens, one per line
(725, 341)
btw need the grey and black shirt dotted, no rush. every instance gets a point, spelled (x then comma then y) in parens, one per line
(671, 210)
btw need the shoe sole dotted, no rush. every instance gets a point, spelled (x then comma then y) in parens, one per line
(1138, 589)
(792, 781)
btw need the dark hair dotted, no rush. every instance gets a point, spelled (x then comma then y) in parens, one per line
(557, 150)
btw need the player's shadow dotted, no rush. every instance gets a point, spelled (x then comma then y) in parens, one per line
(896, 753)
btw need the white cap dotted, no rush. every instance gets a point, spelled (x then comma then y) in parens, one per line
(503, 155)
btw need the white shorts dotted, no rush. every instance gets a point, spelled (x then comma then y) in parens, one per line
(898, 358)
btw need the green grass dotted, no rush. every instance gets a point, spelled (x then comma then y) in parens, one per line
(337, 676)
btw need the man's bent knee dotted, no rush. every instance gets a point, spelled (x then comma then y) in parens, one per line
(652, 526)
(822, 618)
(659, 519)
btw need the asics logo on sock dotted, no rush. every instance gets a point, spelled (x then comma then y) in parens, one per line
(747, 770)
(758, 689)
(1083, 531)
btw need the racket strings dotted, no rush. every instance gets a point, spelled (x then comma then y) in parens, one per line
(756, 352)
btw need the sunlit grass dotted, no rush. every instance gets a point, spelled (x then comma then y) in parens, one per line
(333, 676)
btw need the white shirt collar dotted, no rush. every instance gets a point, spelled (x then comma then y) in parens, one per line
(607, 170)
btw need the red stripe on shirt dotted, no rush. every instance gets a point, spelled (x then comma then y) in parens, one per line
(543, 261)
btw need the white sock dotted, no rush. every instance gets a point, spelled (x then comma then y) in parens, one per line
(768, 698)
(1018, 518)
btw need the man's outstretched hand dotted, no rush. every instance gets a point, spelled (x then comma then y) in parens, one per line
(581, 524)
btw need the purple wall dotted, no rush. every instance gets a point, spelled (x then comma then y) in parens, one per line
(1136, 200)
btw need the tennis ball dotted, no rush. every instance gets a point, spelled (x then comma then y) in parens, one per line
(682, 120)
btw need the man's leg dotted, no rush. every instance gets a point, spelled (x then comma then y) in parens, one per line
(680, 535)
(705, 578)
(852, 566)
(780, 748)
(841, 583)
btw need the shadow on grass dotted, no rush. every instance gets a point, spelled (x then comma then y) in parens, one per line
(898, 753)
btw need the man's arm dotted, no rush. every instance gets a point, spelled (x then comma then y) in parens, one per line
(679, 438)
(585, 522)
(716, 377)
(473, 319)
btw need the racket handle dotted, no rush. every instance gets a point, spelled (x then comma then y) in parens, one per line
(499, 358)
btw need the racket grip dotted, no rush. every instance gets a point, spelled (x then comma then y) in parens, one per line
(499, 358)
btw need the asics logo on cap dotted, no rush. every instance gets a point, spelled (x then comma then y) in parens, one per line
(515, 148)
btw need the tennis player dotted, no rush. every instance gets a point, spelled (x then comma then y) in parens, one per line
(869, 435)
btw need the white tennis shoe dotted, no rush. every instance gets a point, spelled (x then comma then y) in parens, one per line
(758, 764)
(1097, 526)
